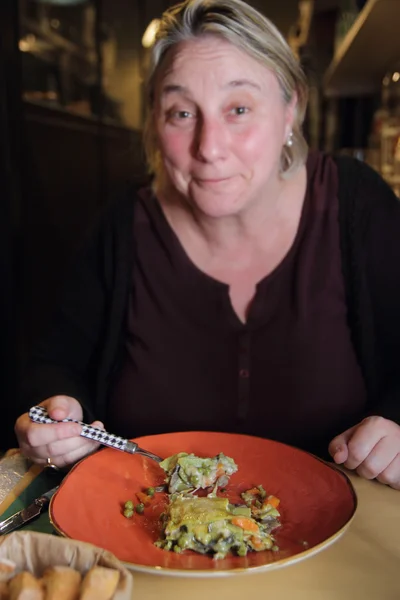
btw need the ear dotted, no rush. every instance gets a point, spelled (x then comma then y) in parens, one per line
(291, 109)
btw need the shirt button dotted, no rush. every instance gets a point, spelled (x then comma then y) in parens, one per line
(244, 373)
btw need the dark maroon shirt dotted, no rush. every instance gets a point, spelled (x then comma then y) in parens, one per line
(290, 373)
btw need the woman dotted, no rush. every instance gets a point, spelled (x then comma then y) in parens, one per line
(249, 289)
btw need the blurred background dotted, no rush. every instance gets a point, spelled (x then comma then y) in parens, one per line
(72, 106)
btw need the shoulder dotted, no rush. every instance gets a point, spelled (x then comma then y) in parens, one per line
(369, 210)
(361, 186)
(320, 166)
(115, 219)
(110, 232)
(121, 204)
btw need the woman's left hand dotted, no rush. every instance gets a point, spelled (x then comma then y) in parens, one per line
(372, 448)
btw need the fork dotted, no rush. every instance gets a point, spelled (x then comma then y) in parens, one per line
(38, 414)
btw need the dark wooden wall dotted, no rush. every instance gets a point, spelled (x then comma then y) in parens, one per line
(72, 167)
(10, 198)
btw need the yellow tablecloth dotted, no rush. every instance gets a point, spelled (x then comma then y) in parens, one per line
(364, 564)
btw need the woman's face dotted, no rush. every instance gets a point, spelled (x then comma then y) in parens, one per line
(221, 122)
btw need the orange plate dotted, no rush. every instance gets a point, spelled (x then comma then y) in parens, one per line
(317, 502)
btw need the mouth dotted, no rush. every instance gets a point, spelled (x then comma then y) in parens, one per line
(212, 180)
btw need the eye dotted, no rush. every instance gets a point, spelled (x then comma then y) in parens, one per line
(179, 115)
(239, 110)
(183, 114)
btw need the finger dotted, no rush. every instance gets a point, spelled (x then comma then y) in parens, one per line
(98, 424)
(33, 435)
(64, 451)
(340, 454)
(380, 457)
(338, 446)
(63, 407)
(366, 436)
(88, 447)
(69, 458)
(67, 453)
(38, 435)
(78, 453)
(57, 450)
(391, 475)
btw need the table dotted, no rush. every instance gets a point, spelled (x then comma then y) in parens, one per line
(364, 564)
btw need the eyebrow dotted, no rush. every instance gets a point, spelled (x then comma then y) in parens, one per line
(243, 83)
(172, 88)
(236, 83)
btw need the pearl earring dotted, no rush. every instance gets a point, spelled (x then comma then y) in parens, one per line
(289, 141)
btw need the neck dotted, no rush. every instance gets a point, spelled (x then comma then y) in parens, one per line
(238, 235)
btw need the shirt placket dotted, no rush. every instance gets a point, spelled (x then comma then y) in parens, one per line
(244, 372)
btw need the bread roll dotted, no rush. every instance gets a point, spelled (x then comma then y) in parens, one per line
(99, 583)
(61, 583)
(4, 595)
(7, 569)
(25, 586)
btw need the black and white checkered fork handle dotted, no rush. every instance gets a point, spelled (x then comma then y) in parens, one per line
(39, 414)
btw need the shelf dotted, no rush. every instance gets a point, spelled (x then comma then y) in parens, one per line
(51, 113)
(368, 51)
(60, 42)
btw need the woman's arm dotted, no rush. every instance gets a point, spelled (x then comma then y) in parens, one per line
(382, 267)
(66, 360)
(370, 225)
(370, 241)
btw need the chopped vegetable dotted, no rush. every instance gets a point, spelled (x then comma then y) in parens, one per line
(254, 495)
(189, 472)
(272, 501)
(245, 523)
(211, 525)
(143, 498)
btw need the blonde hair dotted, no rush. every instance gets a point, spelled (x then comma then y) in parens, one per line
(247, 29)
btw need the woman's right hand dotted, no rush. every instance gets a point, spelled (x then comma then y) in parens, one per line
(59, 442)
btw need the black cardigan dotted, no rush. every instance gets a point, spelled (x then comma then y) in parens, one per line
(80, 354)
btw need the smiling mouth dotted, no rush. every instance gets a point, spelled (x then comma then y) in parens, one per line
(211, 181)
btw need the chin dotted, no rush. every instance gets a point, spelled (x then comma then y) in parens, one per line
(217, 206)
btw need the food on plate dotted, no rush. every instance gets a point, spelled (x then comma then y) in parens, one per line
(187, 472)
(61, 583)
(263, 507)
(144, 499)
(99, 583)
(211, 525)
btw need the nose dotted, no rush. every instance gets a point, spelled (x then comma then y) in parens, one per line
(211, 140)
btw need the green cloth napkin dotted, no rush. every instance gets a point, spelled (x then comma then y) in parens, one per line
(44, 482)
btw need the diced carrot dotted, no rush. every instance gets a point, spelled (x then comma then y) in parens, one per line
(220, 470)
(272, 501)
(256, 541)
(245, 523)
(253, 492)
(143, 498)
